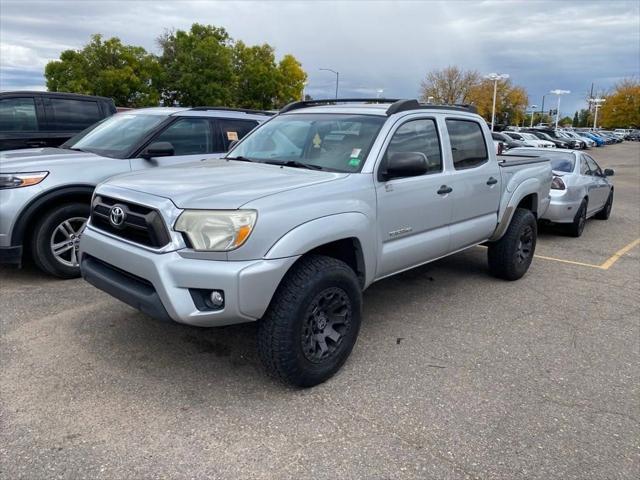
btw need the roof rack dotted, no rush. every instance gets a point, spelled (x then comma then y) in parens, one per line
(333, 101)
(404, 105)
(395, 107)
(229, 109)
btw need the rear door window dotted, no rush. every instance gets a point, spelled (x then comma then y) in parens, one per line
(233, 129)
(73, 115)
(18, 115)
(189, 136)
(468, 147)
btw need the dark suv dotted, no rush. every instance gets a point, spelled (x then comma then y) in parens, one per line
(47, 119)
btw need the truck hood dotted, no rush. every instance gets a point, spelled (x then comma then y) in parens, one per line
(220, 184)
(37, 159)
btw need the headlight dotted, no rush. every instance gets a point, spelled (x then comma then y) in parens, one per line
(17, 180)
(216, 230)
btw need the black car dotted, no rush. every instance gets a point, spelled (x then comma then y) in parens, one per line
(545, 136)
(573, 143)
(508, 141)
(47, 119)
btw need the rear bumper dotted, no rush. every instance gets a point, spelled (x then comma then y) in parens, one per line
(561, 209)
(11, 255)
(162, 284)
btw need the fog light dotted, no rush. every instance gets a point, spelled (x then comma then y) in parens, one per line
(207, 300)
(216, 298)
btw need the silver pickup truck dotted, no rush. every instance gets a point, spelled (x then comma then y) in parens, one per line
(305, 213)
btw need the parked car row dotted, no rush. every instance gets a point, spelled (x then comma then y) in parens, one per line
(306, 209)
(567, 138)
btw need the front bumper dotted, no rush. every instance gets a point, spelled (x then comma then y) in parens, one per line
(161, 284)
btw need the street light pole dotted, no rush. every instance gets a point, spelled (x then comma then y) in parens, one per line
(495, 77)
(337, 78)
(559, 93)
(533, 111)
(597, 104)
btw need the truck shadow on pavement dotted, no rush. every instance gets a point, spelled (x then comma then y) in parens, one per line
(136, 345)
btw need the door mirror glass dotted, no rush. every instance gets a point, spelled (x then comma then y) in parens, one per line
(405, 164)
(608, 172)
(158, 149)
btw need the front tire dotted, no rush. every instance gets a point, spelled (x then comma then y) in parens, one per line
(509, 258)
(56, 238)
(312, 322)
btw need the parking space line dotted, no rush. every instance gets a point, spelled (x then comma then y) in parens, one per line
(568, 261)
(605, 266)
(616, 256)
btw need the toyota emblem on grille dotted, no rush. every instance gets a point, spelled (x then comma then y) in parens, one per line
(117, 216)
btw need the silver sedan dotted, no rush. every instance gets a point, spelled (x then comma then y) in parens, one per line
(580, 188)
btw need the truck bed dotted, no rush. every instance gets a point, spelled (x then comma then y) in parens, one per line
(516, 160)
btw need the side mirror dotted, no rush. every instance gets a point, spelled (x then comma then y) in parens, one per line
(232, 144)
(158, 149)
(608, 172)
(404, 164)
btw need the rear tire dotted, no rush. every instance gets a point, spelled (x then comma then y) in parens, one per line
(605, 213)
(509, 258)
(576, 228)
(56, 237)
(312, 322)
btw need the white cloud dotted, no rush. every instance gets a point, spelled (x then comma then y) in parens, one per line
(381, 44)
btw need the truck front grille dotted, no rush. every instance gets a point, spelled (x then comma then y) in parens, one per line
(131, 221)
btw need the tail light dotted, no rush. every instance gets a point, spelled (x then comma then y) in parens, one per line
(558, 184)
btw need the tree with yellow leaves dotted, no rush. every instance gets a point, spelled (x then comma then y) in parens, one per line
(455, 85)
(622, 107)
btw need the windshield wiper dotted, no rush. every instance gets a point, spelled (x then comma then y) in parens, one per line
(240, 158)
(294, 163)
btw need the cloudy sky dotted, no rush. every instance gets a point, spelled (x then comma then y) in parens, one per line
(374, 45)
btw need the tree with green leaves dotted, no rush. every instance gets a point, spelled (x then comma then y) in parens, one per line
(576, 120)
(292, 80)
(109, 68)
(197, 67)
(204, 66)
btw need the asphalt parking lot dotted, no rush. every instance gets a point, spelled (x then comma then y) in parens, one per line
(455, 375)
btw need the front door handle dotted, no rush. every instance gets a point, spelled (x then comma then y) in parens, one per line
(444, 189)
(492, 181)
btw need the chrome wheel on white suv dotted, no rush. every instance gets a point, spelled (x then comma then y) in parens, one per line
(55, 239)
(65, 241)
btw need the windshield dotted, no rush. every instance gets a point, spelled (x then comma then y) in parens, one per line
(116, 136)
(336, 142)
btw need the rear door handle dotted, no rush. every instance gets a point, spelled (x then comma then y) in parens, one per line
(444, 189)
(492, 181)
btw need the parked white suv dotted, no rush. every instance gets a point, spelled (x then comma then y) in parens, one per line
(45, 192)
